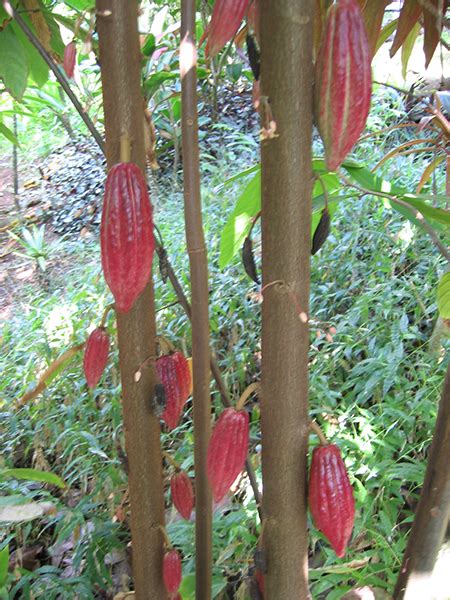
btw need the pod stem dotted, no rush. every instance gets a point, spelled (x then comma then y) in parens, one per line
(165, 345)
(315, 428)
(107, 310)
(125, 148)
(251, 389)
(167, 542)
(172, 461)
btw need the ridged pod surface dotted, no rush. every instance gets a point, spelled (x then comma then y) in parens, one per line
(175, 375)
(182, 494)
(69, 59)
(172, 572)
(225, 20)
(330, 497)
(343, 81)
(95, 356)
(126, 234)
(227, 450)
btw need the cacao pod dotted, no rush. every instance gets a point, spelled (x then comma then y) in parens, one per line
(227, 450)
(69, 59)
(95, 356)
(322, 231)
(225, 20)
(259, 576)
(172, 571)
(343, 81)
(330, 497)
(175, 375)
(126, 234)
(182, 494)
(249, 260)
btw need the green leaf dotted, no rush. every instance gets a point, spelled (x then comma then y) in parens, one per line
(4, 560)
(238, 225)
(385, 33)
(39, 70)
(33, 475)
(155, 81)
(149, 45)
(369, 181)
(6, 131)
(408, 46)
(80, 5)
(187, 588)
(443, 296)
(13, 63)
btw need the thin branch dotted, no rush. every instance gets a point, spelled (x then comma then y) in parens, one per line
(195, 241)
(415, 213)
(57, 72)
(51, 370)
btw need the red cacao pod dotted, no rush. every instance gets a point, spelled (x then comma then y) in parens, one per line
(174, 373)
(331, 500)
(343, 81)
(182, 494)
(227, 450)
(95, 356)
(69, 59)
(259, 576)
(225, 20)
(172, 571)
(126, 234)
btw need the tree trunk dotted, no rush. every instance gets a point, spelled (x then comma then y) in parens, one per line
(286, 79)
(199, 286)
(123, 107)
(432, 514)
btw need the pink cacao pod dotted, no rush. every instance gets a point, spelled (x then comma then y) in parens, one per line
(69, 59)
(182, 494)
(172, 572)
(343, 81)
(227, 450)
(259, 576)
(331, 500)
(126, 234)
(95, 356)
(174, 373)
(225, 20)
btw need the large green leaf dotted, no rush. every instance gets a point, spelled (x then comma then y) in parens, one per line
(9, 135)
(371, 182)
(249, 204)
(80, 4)
(443, 296)
(33, 475)
(13, 63)
(4, 560)
(39, 69)
(238, 225)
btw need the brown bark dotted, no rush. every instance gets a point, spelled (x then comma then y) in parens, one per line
(286, 79)
(432, 514)
(123, 108)
(199, 286)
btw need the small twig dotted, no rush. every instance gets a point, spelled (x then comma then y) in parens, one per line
(42, 383)
(416, 213)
